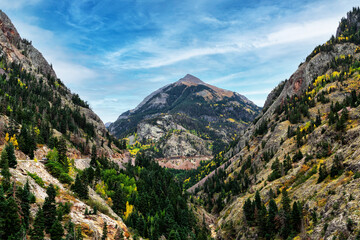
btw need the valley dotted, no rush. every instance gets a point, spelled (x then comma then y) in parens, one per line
(191, 161)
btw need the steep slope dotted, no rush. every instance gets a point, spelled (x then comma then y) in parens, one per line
(295, 172)
(187, 118)
(36, 106)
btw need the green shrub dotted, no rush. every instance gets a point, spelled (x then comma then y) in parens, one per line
(57, 170)
(37, 179)
(65, 178)
(54, 168)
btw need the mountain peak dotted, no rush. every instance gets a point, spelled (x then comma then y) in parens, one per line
(190, 79)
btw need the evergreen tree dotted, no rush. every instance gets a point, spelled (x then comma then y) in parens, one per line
(285, 212)
(337, 166)
(80, 188)
(105, 232)
(119, 200)
(298, 156)
(258, 203)
(287, 164)
(12, 219)
(27, 143)
(49, 208)
(273, 211)
(276, 173)
(5, 170)
(25, 204)
(322, 172)
(248, 211)
(62, 149)
(93, 156)
(56, 230)
(296, 217)
(37, 232)
(11, 155)
(262, 220)
(2, 213)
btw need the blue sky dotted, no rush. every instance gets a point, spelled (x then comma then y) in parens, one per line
(115, 53)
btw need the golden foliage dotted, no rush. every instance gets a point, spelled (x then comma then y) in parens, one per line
(129, 210)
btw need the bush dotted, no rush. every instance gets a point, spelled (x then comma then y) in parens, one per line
(57, 170)
(65, 178)
(37, 179)
(54, 168)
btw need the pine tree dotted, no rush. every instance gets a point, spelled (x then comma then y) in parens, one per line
(285, 211)
(11, 155)
(287, 164)
(25, 204)
(49, 208)
(37, 232)
(80, 188)
(337, 166)
(273, 211)
(56, 230)
(296, 217)
(2, 213)
(5, 170)
(262, 220)
(258, 203)
(12, 219)
(322, 172)
(93, 156)
(276, 173)
(105, 231)
(62, 149)
(119, 200)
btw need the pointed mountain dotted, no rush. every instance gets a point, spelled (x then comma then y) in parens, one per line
(206, 115)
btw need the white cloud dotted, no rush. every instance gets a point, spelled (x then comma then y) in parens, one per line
(299, 32)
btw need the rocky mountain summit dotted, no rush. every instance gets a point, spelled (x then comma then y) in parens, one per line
(186, 118)
(294, 174)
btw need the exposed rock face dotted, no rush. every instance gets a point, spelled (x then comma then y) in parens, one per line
(205, 112)
(15, 47)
